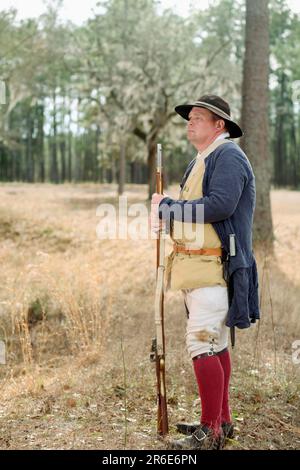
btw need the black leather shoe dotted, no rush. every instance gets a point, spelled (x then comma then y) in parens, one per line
(202, 438)
(189, 428)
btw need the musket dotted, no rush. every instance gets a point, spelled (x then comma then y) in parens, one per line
(158, 353)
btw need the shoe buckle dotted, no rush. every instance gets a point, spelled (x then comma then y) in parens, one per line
(199, 439)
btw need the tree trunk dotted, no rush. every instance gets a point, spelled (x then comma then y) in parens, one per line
(255, 113)
(29, 149)
(62, 142)
(151, 146)
(62, 145)
(54, 165)
(40, 143)
(279, 140)
(96, 172)
(78, 145)
(113, 172)
(85, 156)
(69, 153)
(293, 153)
(122, 168)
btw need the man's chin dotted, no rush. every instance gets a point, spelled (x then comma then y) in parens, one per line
(192, 138)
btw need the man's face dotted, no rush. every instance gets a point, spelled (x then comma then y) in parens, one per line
(201, 125)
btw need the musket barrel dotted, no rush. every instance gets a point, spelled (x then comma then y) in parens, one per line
(159, 160)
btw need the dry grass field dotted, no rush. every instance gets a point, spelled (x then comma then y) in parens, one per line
(76, 315)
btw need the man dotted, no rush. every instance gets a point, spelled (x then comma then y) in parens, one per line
(217, 274)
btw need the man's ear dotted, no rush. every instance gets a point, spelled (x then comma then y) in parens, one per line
(220, 124)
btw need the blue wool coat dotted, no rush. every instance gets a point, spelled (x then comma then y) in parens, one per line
(229, 201)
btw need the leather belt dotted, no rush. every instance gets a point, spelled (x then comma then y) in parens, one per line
(210, 353)
(199, 251)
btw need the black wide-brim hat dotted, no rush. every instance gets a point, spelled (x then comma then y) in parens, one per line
(216, 105)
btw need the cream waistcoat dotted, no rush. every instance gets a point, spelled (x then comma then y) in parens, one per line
(192, 271)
